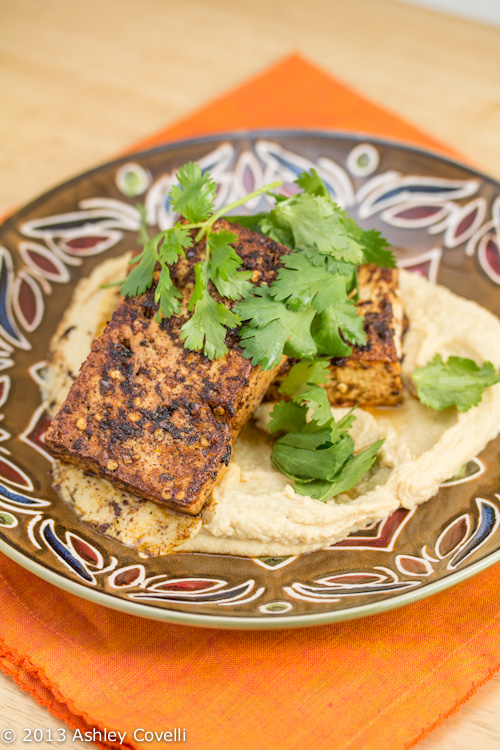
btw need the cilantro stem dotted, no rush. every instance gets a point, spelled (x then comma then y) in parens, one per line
(205, 226)
(143, 234)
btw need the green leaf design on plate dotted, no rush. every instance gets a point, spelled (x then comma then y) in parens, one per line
(7, 519)
(276, 607)
(467, 471)
(272, 562)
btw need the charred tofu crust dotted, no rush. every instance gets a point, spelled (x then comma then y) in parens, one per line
(153, 417)
(371, 375)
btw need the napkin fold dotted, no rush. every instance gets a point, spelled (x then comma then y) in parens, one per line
(383, 681)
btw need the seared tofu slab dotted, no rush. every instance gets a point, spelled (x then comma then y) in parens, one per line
(371, 376)
(153, 417)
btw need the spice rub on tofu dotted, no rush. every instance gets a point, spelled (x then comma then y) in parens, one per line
(371, 375)
(153, 417)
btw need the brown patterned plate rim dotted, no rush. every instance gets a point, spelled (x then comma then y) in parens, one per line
(63, 581)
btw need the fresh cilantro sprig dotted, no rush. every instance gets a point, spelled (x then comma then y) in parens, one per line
(273, 330)
(303, 385)
(311, 222)
(193, 198)
(206, 328)
(223, 266)
(164, 249)
(319, 275)
(314, 451)
(457, 382)
(309, 309)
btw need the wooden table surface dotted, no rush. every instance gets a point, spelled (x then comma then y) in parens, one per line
(82, 80)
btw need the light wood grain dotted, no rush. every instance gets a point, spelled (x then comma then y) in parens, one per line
(18, 711)
(82, 80)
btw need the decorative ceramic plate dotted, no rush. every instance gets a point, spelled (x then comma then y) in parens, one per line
(444, 220)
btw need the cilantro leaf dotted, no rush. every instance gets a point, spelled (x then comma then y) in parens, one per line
(319, 489)
(349, 322)
(348, 270)
(347, 421)
(305, 284)
(273, 330)
(277, 229)
(224, 259)
(167, 296)
(249, 222)
(333, 266)
(302, 385)
(316, 398)
(224, 264)
(303, 374)
(194, 197)
(375, 249)
(352, 471)
(326, 335)
(305, 456)
(311, 183)
(458, 381)
(318, 455)
(319, 468)
(327, 326)
(172, 243)
(287, 417)
(355, 467)
(200, 284)
(206, 328)
(312, 222)
(165, 248)
(140, 278)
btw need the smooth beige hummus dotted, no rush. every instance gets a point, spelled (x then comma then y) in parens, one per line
(255, 511)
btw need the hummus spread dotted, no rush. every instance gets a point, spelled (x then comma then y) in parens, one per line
(254, 510)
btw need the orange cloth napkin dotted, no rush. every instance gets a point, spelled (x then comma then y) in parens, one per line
(380, 682)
